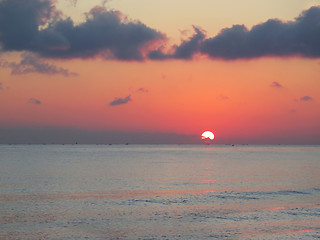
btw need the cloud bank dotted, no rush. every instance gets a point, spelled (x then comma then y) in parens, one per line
(41, 135)
(36, 26)
(272, 38)
(300, 37)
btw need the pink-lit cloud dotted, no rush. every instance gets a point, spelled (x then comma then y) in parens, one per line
(276, 85)
(223, 97)
(142, 90)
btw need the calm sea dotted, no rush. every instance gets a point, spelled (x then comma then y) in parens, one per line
(159, 192)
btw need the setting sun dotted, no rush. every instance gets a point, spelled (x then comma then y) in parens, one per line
(207, 135)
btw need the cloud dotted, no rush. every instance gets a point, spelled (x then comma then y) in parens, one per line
(276, 85)
(30, 63)
(34, 101)
(119, 101)
(191, 46)
(1, 86)
(306, 98)
(185, 50)
(36, 26)
(274, 37)
(20, 21)
(223, 97)
(143, 90)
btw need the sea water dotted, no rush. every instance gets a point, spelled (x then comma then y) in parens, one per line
(159, 192)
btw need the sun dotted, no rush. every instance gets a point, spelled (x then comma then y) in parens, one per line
(207, 136)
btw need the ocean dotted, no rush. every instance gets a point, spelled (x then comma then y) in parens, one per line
(159, 192)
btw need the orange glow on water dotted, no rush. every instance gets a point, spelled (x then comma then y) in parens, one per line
(304, 230)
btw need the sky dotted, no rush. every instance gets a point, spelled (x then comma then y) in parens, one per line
(151, 71)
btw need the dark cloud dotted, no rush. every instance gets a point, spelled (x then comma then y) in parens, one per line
(272, 38)
(119, 101)
(189, 47)
(35, 25)
(143, 90)
(34, 101)
(276, 85)
(300, 37)
(306, 98)
(20, 21)
(1, 86)
(185, 50)
(31, 63)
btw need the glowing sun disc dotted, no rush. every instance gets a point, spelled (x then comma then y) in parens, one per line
(207, 135)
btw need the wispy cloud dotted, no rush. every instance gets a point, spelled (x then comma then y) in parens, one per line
(276, 85)
(34, 101)
(30, 63)
(3, 87)
(142, 90)
(223, 97)
(119, 101)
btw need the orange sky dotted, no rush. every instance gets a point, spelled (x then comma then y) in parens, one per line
(237, 99)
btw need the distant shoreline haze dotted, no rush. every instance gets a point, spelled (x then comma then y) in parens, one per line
(61, 135)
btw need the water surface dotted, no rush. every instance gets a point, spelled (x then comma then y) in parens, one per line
(159, 192)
